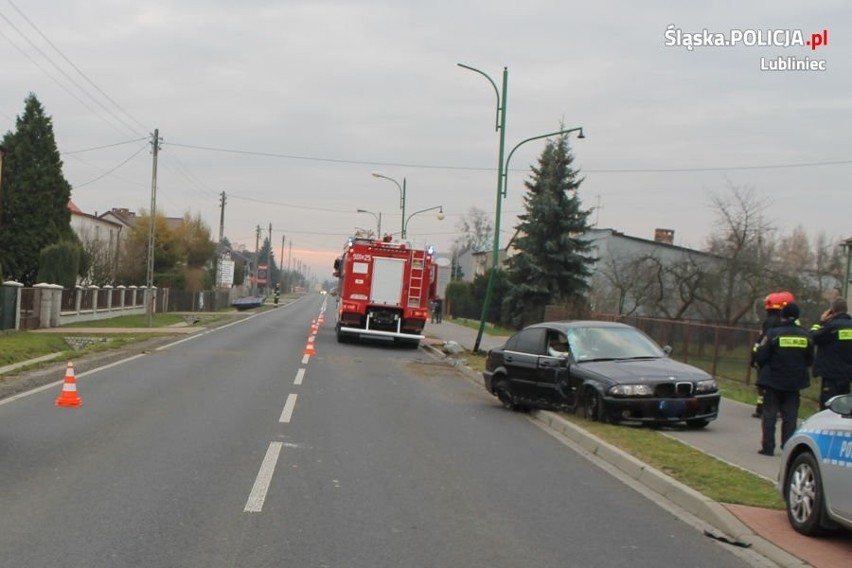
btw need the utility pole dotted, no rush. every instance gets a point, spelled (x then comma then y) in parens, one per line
(269, 261)
(222, 202)
(281, 267)
(290, 268)
(149, 292)
(256, 261)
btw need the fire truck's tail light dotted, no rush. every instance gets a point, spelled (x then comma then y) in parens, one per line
(350, 307)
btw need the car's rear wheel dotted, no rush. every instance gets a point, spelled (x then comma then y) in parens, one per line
(804, 495)
(593, 406)
(505, 396)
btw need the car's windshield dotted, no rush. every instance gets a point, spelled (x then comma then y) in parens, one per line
(613, 343)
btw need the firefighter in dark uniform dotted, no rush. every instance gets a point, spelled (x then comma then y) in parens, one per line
(772, 304)
(784, 356)
(832, 337)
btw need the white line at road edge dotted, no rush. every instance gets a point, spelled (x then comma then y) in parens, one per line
(305, 359)
(132, 357)
(77, 376)
(287, 413)
(300, 374)
(264, 478)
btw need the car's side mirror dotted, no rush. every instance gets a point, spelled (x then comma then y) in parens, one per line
(667, 350)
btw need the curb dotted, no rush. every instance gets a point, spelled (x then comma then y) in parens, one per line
(733, 530)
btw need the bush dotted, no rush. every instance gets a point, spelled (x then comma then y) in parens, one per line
(59, 264)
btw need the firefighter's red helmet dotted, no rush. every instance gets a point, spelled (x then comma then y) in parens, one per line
(777, 300)
(785, 298)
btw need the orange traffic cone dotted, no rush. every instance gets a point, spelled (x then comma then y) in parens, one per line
(69, 396)
(309, 348)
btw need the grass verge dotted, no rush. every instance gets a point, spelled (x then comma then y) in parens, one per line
(707, 475)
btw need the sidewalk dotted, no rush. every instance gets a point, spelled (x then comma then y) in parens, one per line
(733, 438)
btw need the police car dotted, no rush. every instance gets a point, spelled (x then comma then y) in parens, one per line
(816, 471)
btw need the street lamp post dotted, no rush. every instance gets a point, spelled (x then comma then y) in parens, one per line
(401, 198)
(378, 221)
(500, 126)
(440, 215)
(502, 174)
(847, 246)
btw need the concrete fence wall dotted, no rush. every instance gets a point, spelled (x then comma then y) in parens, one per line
(50, 305)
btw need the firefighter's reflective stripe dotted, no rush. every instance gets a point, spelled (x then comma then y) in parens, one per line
(844, 334)
(797, 342)
(816, 327)
(835, 446)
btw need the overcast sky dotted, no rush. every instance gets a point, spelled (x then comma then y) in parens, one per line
(289, 106)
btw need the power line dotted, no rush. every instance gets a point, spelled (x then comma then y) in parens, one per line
(70, 152)
(53, 78)
(489, 169)
(103, 175)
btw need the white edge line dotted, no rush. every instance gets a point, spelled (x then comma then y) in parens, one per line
(305, 359)
(287, 413)
(62, 381)
(52, 385)
(254, 504)
(300, 375)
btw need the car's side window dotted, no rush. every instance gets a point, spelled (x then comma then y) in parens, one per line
(531, 341)
(511, 343)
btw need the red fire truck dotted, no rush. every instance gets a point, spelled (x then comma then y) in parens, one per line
(384, 291)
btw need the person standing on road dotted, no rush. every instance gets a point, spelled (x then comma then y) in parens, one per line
(772, 304)
(437, 310)
(784, 356)
(832, 337)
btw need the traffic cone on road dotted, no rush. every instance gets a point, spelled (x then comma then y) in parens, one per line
(69, 396)
(309, 348)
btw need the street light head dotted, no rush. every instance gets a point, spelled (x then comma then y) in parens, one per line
(581, 135)
(441, 213)
(362, 211)
(377, 174)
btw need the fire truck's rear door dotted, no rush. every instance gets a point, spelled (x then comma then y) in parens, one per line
(387, 281)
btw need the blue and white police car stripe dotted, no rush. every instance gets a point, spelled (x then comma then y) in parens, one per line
(835, 446)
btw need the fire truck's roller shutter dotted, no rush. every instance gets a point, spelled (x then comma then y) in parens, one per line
(387, 281)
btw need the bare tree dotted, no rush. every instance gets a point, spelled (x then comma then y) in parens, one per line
(741, 229)
(627, 284)
(477, 231)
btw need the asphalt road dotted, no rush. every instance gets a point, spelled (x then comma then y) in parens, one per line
(234, 448)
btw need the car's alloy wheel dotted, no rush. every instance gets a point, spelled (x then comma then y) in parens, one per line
(804, 495)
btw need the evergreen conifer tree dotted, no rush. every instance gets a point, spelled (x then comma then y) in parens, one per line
(553, 264)
(34, 213)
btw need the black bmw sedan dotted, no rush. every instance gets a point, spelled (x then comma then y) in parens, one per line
(612, 371)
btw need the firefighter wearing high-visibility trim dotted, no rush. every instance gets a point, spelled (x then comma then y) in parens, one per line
(772, 304)
(784, 357)
(832, 336)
